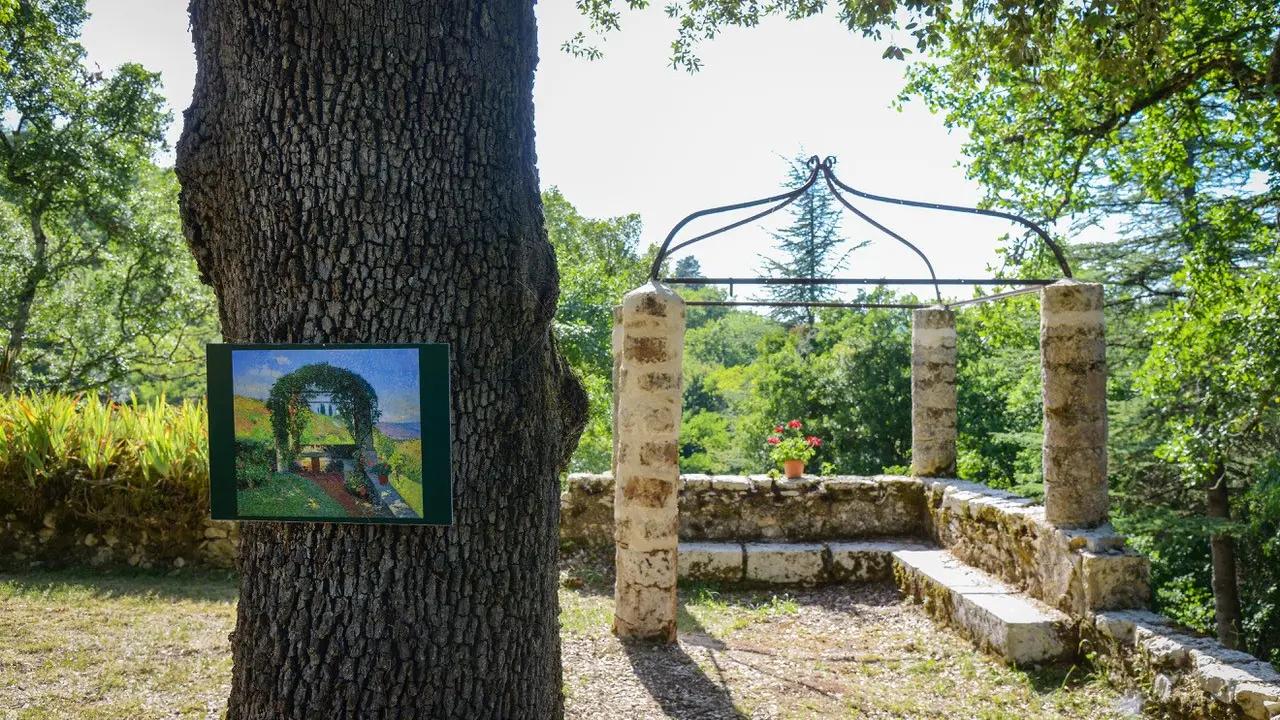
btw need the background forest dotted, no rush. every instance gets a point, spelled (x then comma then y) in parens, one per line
(1148, 139)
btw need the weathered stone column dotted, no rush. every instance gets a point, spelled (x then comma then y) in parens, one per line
(617, 382)
(933, 392)
(646, 517)
(1073, 356)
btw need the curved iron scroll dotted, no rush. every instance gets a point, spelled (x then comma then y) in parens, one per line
(833, 183)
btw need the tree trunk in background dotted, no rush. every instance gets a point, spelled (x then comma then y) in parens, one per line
(35, 274)
(363, 171)
(1226, 591)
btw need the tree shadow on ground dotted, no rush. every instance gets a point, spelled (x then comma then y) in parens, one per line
(1057, 677)
(674, 679)
(849, 598)
(99, 583)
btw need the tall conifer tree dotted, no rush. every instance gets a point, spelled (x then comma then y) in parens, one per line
(809, 246)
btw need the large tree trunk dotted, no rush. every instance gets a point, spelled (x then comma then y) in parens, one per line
(1226, 590)
(363, 170)
(36, 273)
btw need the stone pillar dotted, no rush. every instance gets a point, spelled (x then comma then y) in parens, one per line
(646, 517)
(1073, 359)
(933, 392)
(617, 382)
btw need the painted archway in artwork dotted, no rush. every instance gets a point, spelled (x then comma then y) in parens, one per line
(352, 399)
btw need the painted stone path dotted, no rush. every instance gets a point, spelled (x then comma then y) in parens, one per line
(332, 484)
(395, 504)
(390, 504)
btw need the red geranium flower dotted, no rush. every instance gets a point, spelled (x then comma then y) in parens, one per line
(773, 441)
(814, 441)
(778, 429)
(794, 424)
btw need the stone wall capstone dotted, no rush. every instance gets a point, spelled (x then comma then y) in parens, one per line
(1185, 674)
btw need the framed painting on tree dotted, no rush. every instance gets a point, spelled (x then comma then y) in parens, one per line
(330, 433)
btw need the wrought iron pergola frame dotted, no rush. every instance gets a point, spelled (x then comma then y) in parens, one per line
(825, 169)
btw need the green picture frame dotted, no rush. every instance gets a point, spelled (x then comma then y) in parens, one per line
(327, 433)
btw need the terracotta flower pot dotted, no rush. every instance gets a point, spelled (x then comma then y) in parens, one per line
(382, 479)
(793, 468)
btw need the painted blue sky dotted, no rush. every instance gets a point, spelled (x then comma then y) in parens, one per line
(393, 373)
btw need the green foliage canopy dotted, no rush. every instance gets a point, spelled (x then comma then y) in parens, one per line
(353, 396)
(1157, 124)
(599, 263)
(96, 287)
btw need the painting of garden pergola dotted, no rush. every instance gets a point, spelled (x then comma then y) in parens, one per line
(327, 433)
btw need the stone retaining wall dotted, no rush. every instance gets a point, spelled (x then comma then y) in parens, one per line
(1089, 574)
(734, 507)
(62, 541)
(770, 564)
(1189, 676)
(1076, 571)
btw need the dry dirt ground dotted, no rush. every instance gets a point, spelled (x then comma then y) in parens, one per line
(108, 645)
(855, 651)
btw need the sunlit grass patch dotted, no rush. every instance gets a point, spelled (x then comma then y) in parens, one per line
(409, 490)
(706, 608)
(585, 614)
(288, 495)
(92, 644)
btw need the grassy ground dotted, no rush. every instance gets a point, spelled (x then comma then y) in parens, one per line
(287, 495)
(405, 457)
(98, 645)
(409, 490)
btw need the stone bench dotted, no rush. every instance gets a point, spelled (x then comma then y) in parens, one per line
(798, 564)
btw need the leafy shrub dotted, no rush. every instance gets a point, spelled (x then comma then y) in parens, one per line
(86, 465)
(251, 476)
(407, 459)
(354, 482)
(254, 459)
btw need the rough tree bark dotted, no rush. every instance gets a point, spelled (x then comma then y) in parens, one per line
(1226, 588)
(363, 170)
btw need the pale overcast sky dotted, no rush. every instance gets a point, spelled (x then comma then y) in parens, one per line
(626, 133)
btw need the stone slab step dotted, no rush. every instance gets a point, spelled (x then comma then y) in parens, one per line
(781, 563)
(711, 561)
(786, 563)
(1012, 626)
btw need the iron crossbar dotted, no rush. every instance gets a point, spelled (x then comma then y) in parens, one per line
(996, 296)
(766, 303)
(854, 281)
(893, 306)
